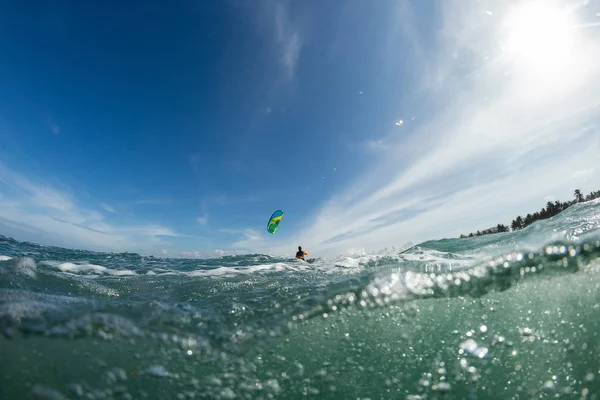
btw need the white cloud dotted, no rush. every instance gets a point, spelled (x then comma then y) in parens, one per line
(151, 202)
(282, 32)
(250, 239)
(502, 132)
(208, 254)
(191, 254)
(288, 38)
(229, 200)
(53, 216)
(107, 208)
(583, 173)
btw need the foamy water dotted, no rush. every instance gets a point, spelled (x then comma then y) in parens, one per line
(507, 316)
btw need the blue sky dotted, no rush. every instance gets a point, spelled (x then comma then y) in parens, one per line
(178, 128)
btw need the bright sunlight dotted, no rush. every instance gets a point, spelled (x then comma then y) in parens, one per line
(540, 39)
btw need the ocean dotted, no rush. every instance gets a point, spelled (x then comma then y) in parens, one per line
(514, 315)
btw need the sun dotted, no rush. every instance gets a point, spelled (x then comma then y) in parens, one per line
(540, 38)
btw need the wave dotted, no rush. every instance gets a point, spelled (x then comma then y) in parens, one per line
(84, 268)
(455, 318)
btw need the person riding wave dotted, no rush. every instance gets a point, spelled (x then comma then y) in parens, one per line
(301, 253)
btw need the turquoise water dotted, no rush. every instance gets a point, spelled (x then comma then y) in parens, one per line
(505, 316)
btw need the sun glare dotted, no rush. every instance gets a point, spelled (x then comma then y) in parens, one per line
(540, 38)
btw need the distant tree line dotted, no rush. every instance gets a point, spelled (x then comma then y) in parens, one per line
(551, 209)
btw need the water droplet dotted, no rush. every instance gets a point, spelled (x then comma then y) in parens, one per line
(313, 391)
(526, 331)
(227, 394)
(75, 389)
(157, 370)
(272, 385)
(469, 345)
(549, 386)
(444, 387)
(566, 391)
(45, 393)
(321, 373)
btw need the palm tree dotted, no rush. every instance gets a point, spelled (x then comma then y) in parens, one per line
(519, 222)
(551, 209)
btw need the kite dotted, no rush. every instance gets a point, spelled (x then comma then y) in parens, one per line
(399, 123)
(274, 221)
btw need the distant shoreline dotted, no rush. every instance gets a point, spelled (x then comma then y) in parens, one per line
(551, 209)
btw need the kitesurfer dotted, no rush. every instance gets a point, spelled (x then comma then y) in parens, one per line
(301, 253)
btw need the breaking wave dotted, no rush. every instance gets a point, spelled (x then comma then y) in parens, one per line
(510, 315)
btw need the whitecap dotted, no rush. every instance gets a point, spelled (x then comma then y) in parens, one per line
(84, 268)
(230, 271)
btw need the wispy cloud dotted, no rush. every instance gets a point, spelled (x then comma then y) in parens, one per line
(204, 254)
(584, 173)
(282, 32)
(108, 208)
(55, 217)
(152, 202)
(249, 239)
(503, 131)
(203, 220)
(230, 200)
(289, 39)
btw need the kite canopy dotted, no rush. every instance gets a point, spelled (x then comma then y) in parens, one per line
(274, 221)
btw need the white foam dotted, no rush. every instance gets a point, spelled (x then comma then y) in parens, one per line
(5, 258)
(430, 259)
(231, 271)
(351, 262)
(26, 266)
(85, 268)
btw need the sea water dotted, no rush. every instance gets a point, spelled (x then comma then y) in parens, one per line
(506, 316)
